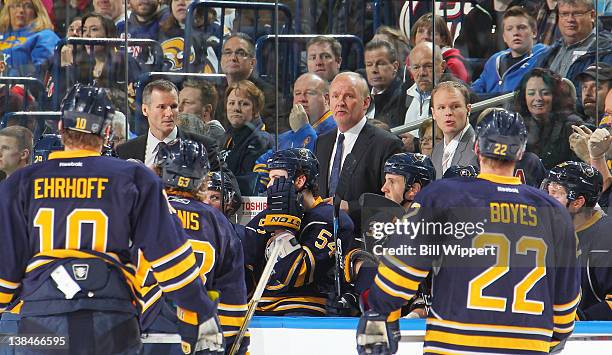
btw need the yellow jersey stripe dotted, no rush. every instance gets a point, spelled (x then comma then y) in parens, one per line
(407, 268)
(171, 255)
(487, 341)
(176, 270)
(388, 290)
(8, 284)
(565, 319)
(5, 297)
(231, 321)
(489, 327)
(397, 279)
(180, 284)
(232, 307)
(567, 306)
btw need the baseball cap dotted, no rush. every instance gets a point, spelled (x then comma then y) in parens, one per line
(604, 69)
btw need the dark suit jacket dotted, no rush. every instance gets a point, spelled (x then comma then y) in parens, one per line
(136, 148)
(371, 150)
(464, 154)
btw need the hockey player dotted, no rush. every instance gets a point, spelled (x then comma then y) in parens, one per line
(301, 277)
(66, 250)
(577, 186)
(520, 297)
(183, 166)
(466, 171)
(221, 192)
(405, 175)
(46, 144)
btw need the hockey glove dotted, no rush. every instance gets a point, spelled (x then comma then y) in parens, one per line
(200, 337)
(377, 336)
(346, 305)
(288, 244)
(285, 211)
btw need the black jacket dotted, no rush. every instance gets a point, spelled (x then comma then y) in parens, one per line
(136, 148)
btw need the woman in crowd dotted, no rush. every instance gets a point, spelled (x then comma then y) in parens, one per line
(102, 65)
(246, 138)
(422, 31)
(543, 101)
(202, 58)
(425, 142)
(27, 39)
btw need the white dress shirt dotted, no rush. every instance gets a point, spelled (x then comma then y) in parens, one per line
(350, 137)
(451, 148)
(152, 145)
(418, 109)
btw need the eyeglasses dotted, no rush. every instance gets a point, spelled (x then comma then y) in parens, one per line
(575, 15)
(24, 6)
(240, 53)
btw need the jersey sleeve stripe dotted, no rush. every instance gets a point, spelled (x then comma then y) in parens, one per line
(489, 327)
(176, 270)
(312, 261)
(564, 330)
(407, 268)
(173, 254)
(391, 291)
(232, 307)
(230, 321)
(397, 279)
(5, 298)
(567, 306)
(8, 284)
(564, 319)
(180, 284)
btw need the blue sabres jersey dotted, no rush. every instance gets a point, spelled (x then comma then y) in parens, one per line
(300, 281)
(220, 260)
(530, 170)
(79, 205)
(503, 258)
(596, 265)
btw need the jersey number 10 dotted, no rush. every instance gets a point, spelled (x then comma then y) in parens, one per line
(45, 221)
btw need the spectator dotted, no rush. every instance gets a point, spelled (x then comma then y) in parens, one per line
(15, 148)
(352, 157)
(200, 97)
(504, 70)
(451, 109)
(246, 139)
(324, 56)
(540, 102)
(120, 129)
(396, 37)
(312, 92)
(421, 31)
(27, 39)
(547, 22)
(202, 58)
(594, 94)
(425, 142)
(576, 49)
(382, 68)
(112, 9)
(64, 13)
(412, 104)
(144, 19)
(75, 29)
(160, 106)
(102, 65)
(238, 63)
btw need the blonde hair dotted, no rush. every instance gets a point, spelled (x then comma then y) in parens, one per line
(40, 22)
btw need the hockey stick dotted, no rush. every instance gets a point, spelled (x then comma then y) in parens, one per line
(261, 285)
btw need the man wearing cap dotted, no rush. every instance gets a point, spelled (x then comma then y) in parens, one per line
(594, 90)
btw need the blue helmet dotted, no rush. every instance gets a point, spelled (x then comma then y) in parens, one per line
(183, 164)
(46, 144)
(457, 170)
(502, 135)
(578, 178)
(228, 186)
(414, 167)
(296, 161)
(87, 109)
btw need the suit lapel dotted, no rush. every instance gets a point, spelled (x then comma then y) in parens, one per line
(141, 148)
(362, 144)
(466, 140)
(326, 147)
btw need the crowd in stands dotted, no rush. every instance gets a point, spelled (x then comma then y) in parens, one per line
(555, 56)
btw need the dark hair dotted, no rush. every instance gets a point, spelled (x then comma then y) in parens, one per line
(551, 79)
(107, 24)
(336, 47)
(378, 44)
(441, 28)
(159, 84)
(518, 11)
(245, 37)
